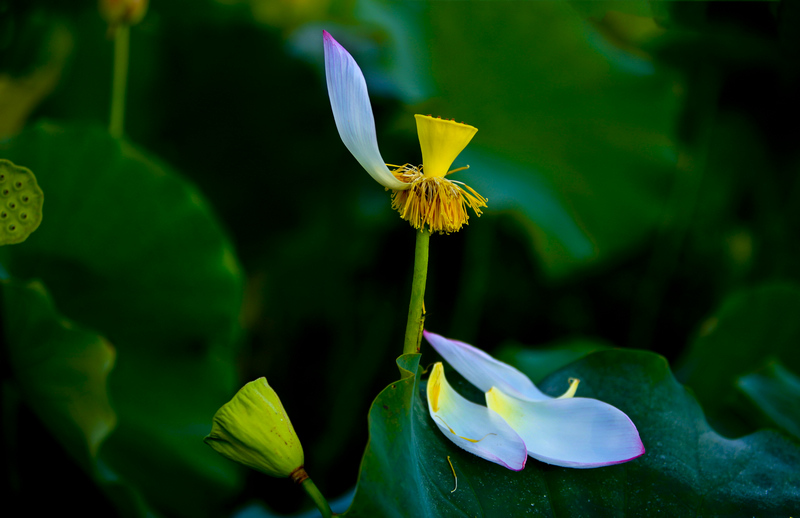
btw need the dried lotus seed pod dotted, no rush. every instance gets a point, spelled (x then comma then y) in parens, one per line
(21, 202)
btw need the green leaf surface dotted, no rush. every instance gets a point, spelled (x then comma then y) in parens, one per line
(133, 250)
(748, 328)
(539, 362)
(126, 239)
(165, 407)
(598, 8)
(688, 470)
(60, 367)
(776, 392)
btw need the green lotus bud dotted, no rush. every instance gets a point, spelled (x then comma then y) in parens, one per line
(253, 429)
(21, 202)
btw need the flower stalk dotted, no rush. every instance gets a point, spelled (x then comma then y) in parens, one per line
(120, 80)
(416, 316)
(301, 477)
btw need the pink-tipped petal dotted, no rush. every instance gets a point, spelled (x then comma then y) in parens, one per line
(472, 427)
(352, 112)
(573, 432)
(482, 370)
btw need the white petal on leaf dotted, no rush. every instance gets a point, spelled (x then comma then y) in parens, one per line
(472, 427)
(574, 432)
(482, 370)
(352, 112)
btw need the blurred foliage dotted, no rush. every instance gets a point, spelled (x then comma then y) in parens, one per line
(132, 249)
(639, 158)
(748, 329)
(775, 391)
(585, 116)
(61, 369)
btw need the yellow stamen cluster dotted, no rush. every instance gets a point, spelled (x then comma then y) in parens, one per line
(435, 201)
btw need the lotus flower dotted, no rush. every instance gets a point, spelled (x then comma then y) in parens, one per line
(421, 194)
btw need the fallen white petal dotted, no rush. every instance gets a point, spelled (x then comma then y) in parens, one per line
(352, 112)
(574, 432)
(482, 370)
(472, 427)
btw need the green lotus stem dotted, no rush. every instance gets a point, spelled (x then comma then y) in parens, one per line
(121, 49)
(317, 497)
(416, 319)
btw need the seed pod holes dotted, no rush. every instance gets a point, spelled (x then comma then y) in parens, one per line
(21, 189)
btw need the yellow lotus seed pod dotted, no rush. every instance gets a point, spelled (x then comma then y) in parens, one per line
(21, 202)
(253, 429)
(122, 12)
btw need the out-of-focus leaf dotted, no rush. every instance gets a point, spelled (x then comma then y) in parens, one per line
(749, 327)
(588, 120)
(688, 469)
(133, 250)
(31, 37)
(776, 392)
(558, 240)
(129, 247)
(165, 406)
(61, 369)
(34, 46)
(385, 36)
(539, 362)
(598, 8)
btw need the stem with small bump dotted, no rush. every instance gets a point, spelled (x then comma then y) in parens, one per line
(416, 318)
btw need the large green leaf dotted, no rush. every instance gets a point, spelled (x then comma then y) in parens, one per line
(61, 369)
(748, 328)
(688, 470)
(131, 249)
(575, 130)
(126, 242)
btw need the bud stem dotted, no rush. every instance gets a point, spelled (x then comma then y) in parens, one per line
(317, 497)
(416, 318)
(121, 46)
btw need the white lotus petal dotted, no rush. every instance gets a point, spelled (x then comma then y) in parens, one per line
(472, 427)
(574, 432)
(482, 370)
(352, 112)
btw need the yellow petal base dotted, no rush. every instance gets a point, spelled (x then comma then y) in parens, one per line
(434, 201)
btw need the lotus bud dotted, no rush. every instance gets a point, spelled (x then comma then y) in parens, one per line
(253, 429)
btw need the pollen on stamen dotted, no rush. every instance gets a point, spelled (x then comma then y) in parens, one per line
(435, 202)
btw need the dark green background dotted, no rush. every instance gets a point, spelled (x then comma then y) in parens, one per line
(639, 159)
